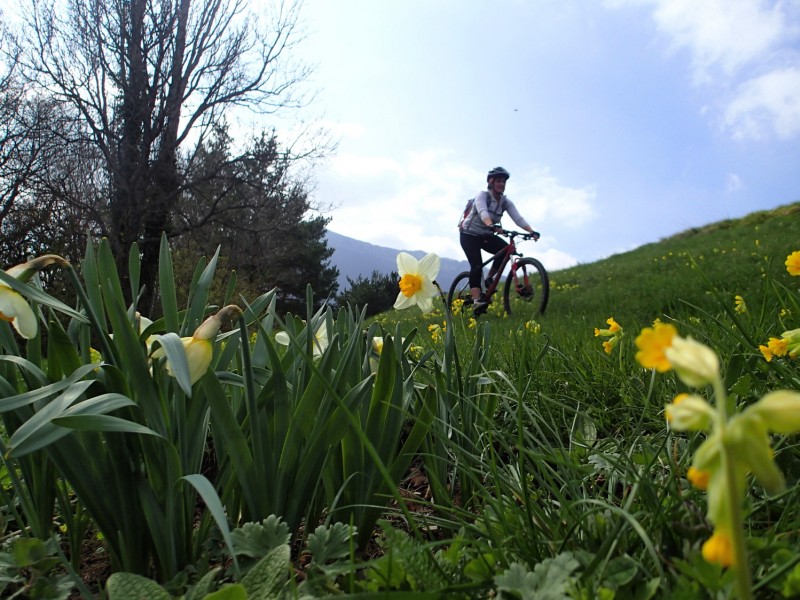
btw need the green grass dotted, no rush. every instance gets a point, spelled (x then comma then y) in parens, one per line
(541, 465)
(605, 477)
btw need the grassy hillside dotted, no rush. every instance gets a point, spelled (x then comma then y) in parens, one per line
(735, 256)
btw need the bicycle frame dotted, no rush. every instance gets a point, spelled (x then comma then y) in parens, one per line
(509, 251)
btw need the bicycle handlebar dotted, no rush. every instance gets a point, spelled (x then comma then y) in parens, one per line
(512, 234)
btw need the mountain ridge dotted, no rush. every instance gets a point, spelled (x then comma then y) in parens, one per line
(355, 258)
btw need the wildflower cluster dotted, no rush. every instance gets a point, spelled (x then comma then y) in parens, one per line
(734, 448)
(787, 344)
(614, 334)
(437, 331)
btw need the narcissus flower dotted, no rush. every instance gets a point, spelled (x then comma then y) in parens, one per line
(199, 348)
(320, 339)
(793, 263)
(416, 281)
(375, 353)
(13, 307)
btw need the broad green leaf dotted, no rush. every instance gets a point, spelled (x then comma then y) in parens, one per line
(258, 539)
(269, 575)
(331, 542)
(129, 586)
(234, 591)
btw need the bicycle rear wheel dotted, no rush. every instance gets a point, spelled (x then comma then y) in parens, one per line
(459, 297)
(527, 289)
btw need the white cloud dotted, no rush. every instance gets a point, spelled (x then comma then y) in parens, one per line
(725, 34)
(746, 50)
(733, 183)
(765, 105)
(540, 197)
(554, 260)
(414, 202)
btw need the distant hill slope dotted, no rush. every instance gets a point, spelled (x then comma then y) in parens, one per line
(353, 258)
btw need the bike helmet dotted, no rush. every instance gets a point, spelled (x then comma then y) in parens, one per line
(497, 172)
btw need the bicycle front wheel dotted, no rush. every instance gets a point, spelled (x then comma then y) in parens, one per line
(527, 289)
(459, 297)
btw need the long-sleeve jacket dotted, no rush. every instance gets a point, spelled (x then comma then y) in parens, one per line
(486, 206)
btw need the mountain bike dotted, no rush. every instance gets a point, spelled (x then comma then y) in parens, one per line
(527, 286)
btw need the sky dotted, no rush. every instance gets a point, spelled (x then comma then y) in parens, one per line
(622, 122)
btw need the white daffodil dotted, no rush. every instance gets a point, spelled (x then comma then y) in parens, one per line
(416, 281)
(13, 307)
(15, 310)
(199, 348)
(320, 339)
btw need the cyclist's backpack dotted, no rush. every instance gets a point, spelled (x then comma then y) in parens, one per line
(467, 210)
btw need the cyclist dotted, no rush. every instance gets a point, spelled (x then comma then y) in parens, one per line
(478, 229)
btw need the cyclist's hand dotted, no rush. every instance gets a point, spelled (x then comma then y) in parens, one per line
(497, 228)
(535, 235)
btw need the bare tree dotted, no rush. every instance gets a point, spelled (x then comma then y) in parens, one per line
(146, 79)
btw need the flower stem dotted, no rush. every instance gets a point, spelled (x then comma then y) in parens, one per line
(741, 568)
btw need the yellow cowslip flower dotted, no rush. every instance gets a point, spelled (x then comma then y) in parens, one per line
(788, 343)
(614, 332)
(689, 412)
(456, 307)
(698, 478)
(199, 348)
(436, 331)
(416, 281)
(695, 364)
(719, 549)
(793, 263)
(652, 342)
(739, 305)
(13, 306)
(779, 410)
(472, 323)
(533, 326)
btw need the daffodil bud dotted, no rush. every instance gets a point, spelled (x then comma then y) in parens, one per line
(696, 364)
(689, 413)
(779, 410)
(28, 269)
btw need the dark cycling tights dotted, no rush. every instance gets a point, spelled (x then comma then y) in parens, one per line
(472, 246)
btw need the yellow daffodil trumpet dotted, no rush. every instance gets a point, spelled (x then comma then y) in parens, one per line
(199, 348)
(417, 281)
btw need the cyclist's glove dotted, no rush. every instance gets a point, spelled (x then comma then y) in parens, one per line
(535, 235)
